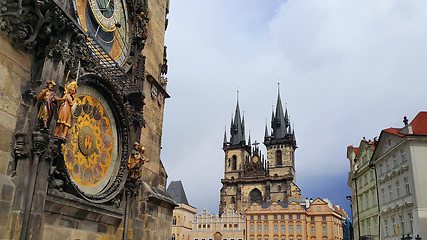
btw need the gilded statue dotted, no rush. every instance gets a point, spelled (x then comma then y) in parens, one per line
(136, 160)
(48, 99)
(65, 111)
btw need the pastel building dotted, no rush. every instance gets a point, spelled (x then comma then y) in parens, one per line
(298, 220)
(400, 159)
(362, 182)
(229, 226)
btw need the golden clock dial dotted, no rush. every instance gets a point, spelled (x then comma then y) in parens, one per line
(90, 152)
(255, 159)
(106, 21)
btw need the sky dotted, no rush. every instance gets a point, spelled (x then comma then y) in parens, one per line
(347, 70)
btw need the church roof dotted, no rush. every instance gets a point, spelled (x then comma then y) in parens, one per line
(176, 191)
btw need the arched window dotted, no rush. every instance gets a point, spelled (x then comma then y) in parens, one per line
(278, 158)
(279, 188)
(255, 196)
(233, 200)
(174, 222)
(234, 163)
(173, 236)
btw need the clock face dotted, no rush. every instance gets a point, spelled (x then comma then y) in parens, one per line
(255, 159)
(90, 153)
(106, 21)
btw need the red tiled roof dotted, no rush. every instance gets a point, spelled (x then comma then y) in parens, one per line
(419, 124)
(394, 131)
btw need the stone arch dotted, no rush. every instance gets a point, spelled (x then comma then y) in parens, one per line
(217, 236)
(255, 196)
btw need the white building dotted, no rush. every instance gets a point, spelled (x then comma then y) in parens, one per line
(400, 160)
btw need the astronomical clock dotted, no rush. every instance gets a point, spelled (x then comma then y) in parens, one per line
(96, 151)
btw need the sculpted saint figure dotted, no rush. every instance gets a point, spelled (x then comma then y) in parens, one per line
(48, 105)
(65, 111)
(136, 160)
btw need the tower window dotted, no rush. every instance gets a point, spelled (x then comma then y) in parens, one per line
(234, 163)
(233, 200)
(278, 158)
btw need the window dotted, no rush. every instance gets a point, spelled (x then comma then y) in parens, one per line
(265, 228)
(259, 217)
(386, 227)
(252, 228)
(259, 228)
(387, 166)
(225, 225)
(410, 221)
(394, 226)
(402, 224)
(282, 228)
(383, 195)
(234, 163)
(324, 230)
(173, 236)
(390, 191)
(174, 221)
(290, 217)
(403, 154)
(398, 189)
(394, 161)
(324, 218)
(381, 169)
(265, 217)
(298, 216)
(291, 228)
(275, 217)
(312, 219)
(319, 209)
(275, 228)
(298, 228)
(374, 200)
(407, 190)
(233, 200)
(252, 217)
(369, 227)
(282, 216)
(367, 200)
(313, 229)
(278, 158)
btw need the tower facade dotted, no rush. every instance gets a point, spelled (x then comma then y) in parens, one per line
(249, 177)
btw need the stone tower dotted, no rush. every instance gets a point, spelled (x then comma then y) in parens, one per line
(248, 177)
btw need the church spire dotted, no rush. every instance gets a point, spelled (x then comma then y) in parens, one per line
(237, 127)
(279, 123)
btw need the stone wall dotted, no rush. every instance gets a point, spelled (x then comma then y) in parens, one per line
(14, 71)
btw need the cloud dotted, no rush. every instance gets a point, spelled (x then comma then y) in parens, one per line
(347, 69)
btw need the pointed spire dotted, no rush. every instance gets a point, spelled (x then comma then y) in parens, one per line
(237, 128)
(266, 130)
(278, 122)
(249, 141)
(225, 135)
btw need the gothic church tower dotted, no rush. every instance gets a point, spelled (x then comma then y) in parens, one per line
(248, 177)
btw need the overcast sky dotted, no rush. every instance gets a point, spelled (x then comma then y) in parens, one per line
(347, 69)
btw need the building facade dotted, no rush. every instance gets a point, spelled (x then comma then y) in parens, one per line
(249, 177)
(230, 226)
(362, 182)
(80, 82)
(316, 219)
(183, 214)
(400, 162)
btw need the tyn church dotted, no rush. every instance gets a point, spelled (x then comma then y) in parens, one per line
(248, 176)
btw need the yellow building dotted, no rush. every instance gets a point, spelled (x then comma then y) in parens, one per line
(308, 219)
(230, 226)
